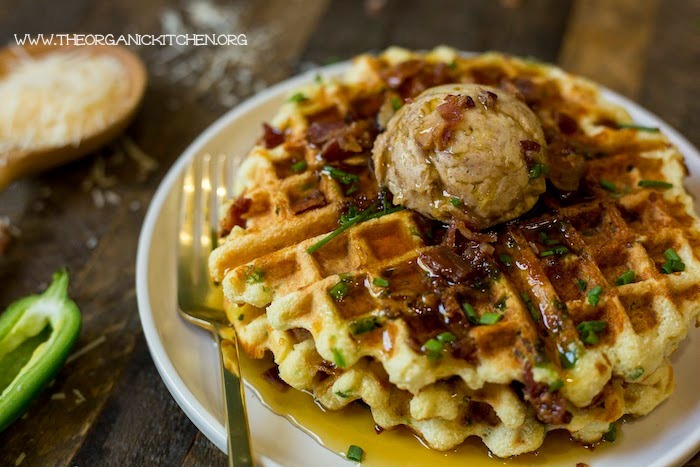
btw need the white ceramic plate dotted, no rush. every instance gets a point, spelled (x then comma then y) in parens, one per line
(188, 361)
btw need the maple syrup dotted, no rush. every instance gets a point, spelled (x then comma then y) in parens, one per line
(337, 430)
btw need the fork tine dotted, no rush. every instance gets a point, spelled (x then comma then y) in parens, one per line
(203, 215)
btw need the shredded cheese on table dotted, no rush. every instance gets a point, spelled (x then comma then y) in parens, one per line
(59, 98)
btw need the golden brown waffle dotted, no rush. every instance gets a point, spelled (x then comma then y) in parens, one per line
(563, 318)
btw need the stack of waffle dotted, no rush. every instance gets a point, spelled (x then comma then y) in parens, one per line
(563, 318)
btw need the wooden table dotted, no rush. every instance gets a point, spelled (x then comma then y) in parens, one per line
(87, 215)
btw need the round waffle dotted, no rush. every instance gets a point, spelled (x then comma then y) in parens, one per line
(562, 318)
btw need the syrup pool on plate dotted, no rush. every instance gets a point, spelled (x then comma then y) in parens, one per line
(337, 430)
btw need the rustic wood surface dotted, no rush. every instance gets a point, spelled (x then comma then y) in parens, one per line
(87, 215)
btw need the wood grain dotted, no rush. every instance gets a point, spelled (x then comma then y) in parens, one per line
(608, 41)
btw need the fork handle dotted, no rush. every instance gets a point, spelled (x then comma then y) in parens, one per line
(240, 453)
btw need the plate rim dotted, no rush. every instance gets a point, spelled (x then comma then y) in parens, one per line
(186, 400)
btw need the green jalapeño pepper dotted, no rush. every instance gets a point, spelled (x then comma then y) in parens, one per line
(36, 335)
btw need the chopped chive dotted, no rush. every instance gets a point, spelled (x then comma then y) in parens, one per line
(338, 358)
(560, 250)
(297, 97)
(582, 285)
(241, 317)
(673, 262)
(446, 337)
(490, 318)
(501, 303)
(610, 186)
(343, 394)
(351, 190)
(452, 65)
(632, 126)
(537, 170)
(254, 276)
(506, 259)
(556, 385)
(588, 330)
(551, 241)
(380, 282)
(347, 221)
(625, 278)
(594, 295)
(396, 103)
(414, 231)
(318, 78)
(636, 373)
(342, 176)
(611, 434)
(470, 313)
(543, 236)
(355, 453)
(365, 325)
(339, 290)
(299, 167)
(654, 184)
(433, 349)
(530, 306)
(569, 356)
(456, 202)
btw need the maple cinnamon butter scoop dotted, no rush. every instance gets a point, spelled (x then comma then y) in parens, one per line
(463, 151)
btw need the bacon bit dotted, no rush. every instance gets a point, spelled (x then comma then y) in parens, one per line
(366, 107)
(315, 199)
(529, 145)
(234, 215)
(566, 168)
(443, 262)
(550, 407)
(272, 137)
(412, 77)
(339, 140)
(567, 125)
(272, 376)
(487, 99)
(451, 109)
(479, 237)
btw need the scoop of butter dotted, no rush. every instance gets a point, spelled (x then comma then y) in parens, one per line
(463, 151)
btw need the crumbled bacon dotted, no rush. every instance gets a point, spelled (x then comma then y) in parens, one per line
(487, 99)
(412, 77)
(272, 137)
(550, 407)
(451, 110)
(234, 215)
(567, 125)
(529, 145)
(443, 262)
(366, 107)
(314, 199)
(338, 140)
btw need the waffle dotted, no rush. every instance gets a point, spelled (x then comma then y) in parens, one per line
(561, 319)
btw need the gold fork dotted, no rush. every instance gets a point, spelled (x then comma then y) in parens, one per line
(205, 186)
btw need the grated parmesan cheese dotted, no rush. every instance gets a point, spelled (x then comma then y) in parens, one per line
(59, 98)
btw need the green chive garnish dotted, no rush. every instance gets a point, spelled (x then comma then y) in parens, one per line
(506, 259)
(297, 97)
(610, 186)
(470, 313)
(537, 170)
(582, 285)
(456, 202)
(396, 103)
(446, 337)
(339, 290)
(338, 358)
(343, 394)
(560, 250)
(490, 318)
(241, 317)
(380, 282)
(569, 356)
(433, 349)
(632, 126)
(343, 177)
(452, 65)
(611, 434)
(594, 295)
(365, 325)
(654, 184)
(625, 278)
(254, 276)
(636, 373)
(673, 262)
(556, 385)
(299, 167)
(530, 306)
(355, 453)
(588, 330)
